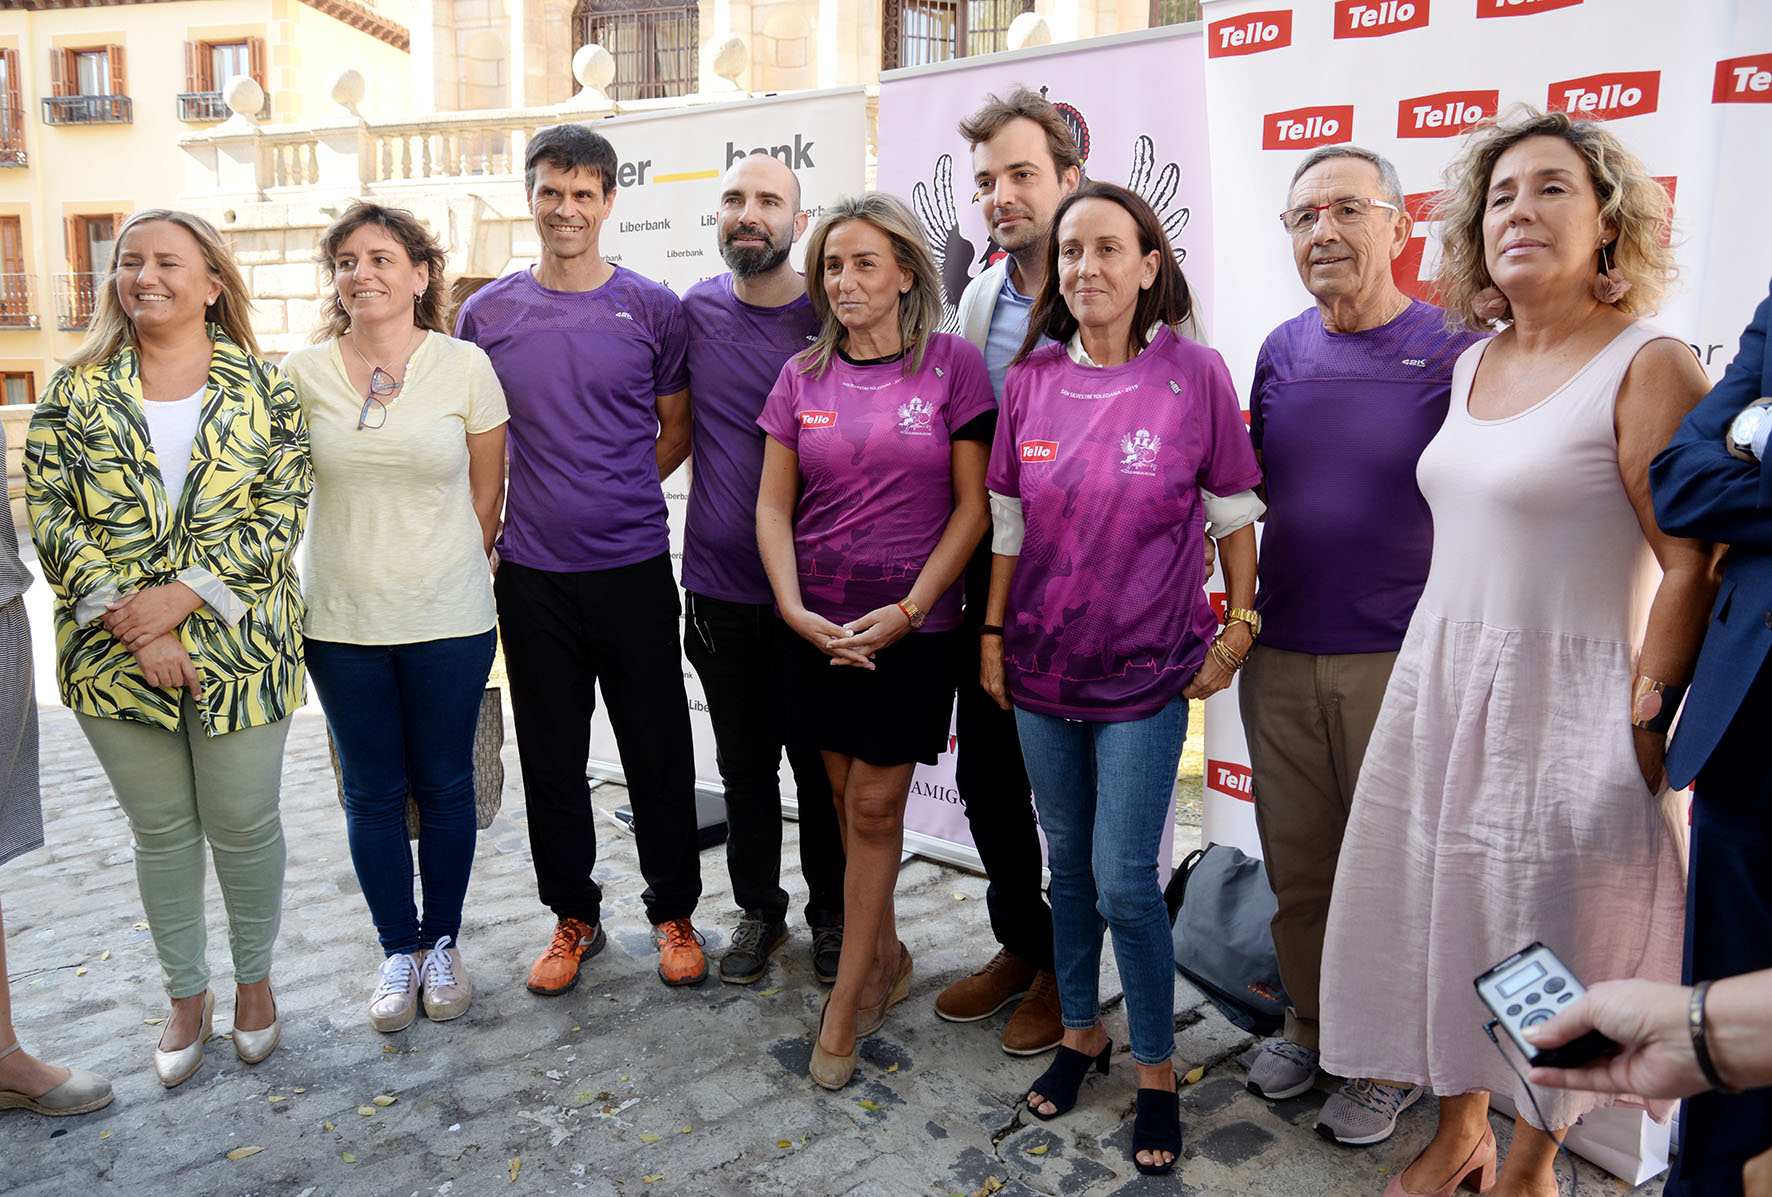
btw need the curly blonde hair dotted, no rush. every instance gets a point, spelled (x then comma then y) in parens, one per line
(1630, 201)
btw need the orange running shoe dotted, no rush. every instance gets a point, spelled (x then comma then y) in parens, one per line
(680, 958)
(556, 970)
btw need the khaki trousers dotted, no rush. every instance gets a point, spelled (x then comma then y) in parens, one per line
(1307, 718)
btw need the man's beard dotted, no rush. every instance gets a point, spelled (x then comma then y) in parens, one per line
(748, 262)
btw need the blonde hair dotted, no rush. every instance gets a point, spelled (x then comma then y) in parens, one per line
(1630, 201)
(111, 327)
(919, 309)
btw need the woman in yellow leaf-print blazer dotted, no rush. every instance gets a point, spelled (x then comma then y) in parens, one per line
(167, 476)
(104, 527)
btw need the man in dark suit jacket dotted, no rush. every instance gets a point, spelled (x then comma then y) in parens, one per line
(1713, 482)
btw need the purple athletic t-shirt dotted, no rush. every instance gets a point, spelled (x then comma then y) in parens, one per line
(876, 460)
(736, 352)
(1341, 419)
(581, 372)
(1107, 617)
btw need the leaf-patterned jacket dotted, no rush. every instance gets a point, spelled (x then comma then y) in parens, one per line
(104, 527)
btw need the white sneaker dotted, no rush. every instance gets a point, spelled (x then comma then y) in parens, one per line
(447, 990)
(395, 1003)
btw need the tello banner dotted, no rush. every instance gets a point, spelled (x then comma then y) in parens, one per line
(1378, 18)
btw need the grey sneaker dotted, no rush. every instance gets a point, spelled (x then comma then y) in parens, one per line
(1284, 1069)
(752, 945)
(827, 950)
(1362, 1112)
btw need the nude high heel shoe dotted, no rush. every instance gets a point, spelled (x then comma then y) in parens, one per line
(1476, 1173)
(253, 1046)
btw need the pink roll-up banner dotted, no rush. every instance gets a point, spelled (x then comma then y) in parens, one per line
(1137, 102)
(1687, 87)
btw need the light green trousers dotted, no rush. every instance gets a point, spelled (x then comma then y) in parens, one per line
(182, 787)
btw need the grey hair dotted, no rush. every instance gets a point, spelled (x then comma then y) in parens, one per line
(1387, 174)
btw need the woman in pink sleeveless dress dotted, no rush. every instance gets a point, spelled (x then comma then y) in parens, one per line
(1513, 790)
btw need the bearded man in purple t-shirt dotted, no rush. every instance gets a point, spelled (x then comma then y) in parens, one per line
(1345, 397)
(743, 327)
(591, 357)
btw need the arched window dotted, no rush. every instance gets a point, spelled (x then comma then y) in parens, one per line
(656, 44)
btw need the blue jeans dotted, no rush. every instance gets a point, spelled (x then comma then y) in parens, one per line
(404, 715)
(1103, 791)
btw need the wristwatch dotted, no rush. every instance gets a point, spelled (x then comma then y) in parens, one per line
(912, 612)
(1246, 616)
(1739, 440)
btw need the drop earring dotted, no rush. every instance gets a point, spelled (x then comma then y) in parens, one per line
(1610, 283)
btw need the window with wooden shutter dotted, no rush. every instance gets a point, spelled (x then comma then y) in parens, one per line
(61, 72)
(255, 56)
(12, 112)
(119, 80)
(16, 308)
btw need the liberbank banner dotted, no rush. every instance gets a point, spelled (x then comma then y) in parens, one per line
(662, 226)
(1136, 103)
(1688, 87)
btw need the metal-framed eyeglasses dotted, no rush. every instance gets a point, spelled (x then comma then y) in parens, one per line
(1345, 212)
(375, 411)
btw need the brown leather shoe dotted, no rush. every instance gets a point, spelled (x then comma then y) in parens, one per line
(1037, 1024)
(986, 991)
(556, 970)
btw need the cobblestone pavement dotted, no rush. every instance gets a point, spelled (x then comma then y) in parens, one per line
(622, 1086)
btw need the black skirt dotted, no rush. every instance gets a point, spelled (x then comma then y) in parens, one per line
(893, 714)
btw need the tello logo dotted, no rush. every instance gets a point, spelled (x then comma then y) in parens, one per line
(1036, 451)
(1220, 602)
(1413, 269)
(1376, 18)
(1607, 97)
(1520, 8)
(1250, 33)
(1743, 80)
(1444, 114)
(818, 419)
(1302, 128)
(1228, 777)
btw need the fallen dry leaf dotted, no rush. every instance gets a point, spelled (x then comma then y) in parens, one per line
(653, 1177)
(687, 1129)
(141, 926)
(384, 1101)
(327, 1125)
(104, 1134)
(1194, 1075)
(894, 1067)
(648, 1138)
(769, 992)
(299, 1089)
(274, 1097)
(783, 1143)
(240, 1153)
(865, 1104)
(153, 1022)
(1042, 1149)
(959, 897)
(347, 1157)
(80, 972)
(575, 1028)
(366, 1111)
(107, 954)
(516, 1163)
(391, 1051)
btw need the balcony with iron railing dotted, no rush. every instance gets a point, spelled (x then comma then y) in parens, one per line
(76, 297)
(18, 301)
(88, 110)
(201, 107)
(12, 135)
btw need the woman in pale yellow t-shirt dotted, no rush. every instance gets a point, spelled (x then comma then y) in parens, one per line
(407, 426)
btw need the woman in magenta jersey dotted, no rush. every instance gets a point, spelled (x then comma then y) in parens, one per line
(1112, 425)
(872, 499)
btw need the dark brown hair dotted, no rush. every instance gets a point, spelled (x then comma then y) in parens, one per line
(1167, 300)
(431, 311)
(1021, 103)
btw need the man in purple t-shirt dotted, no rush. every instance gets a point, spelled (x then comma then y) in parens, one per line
(1345, 397)
(591, 357)
(743, 327)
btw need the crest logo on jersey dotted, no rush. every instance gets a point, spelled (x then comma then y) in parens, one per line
(1140, 451)
(916, 418)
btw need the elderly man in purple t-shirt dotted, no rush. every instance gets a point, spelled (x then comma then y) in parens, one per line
(1345, 397)
(591, 357)
(743, 327)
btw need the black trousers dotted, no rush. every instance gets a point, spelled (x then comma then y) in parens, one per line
(733, 649)
(1728, 931)
(564, 634)
(994, 789)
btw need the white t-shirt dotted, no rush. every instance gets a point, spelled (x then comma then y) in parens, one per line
(172, 430)
(393, 552)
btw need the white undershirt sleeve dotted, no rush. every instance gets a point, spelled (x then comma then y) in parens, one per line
(1226, 514)
(1007, 525)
